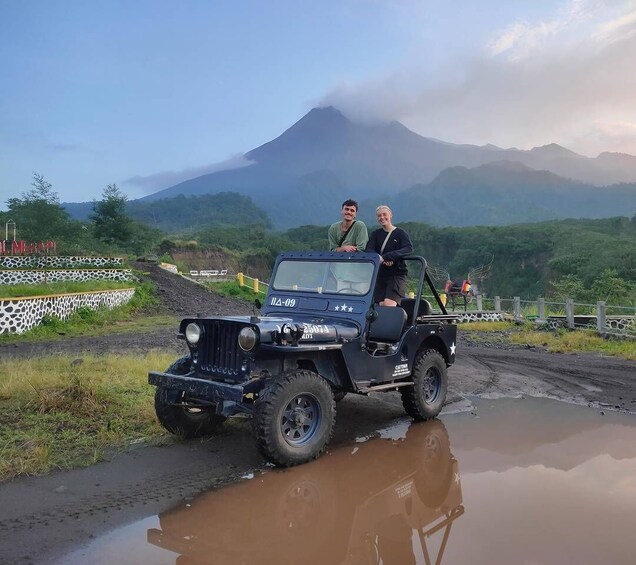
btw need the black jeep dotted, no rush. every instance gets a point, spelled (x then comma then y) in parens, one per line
(318, 337)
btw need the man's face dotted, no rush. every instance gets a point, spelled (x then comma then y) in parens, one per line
(349, 213)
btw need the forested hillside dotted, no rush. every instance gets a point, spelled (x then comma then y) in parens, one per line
(528, 260)
(504, 193)
(189, 213)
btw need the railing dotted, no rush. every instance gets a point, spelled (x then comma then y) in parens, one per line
(210, 273)
(254, 284)
(605, 319)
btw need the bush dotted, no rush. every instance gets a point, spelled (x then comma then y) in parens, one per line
(51, 322)
(87, 314)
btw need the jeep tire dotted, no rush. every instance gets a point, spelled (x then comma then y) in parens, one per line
(424, 400)
(174, 414)
(294, 417)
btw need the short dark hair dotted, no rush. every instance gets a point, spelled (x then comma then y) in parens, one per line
(350, 202)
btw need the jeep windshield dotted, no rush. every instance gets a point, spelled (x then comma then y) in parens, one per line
(336, 277)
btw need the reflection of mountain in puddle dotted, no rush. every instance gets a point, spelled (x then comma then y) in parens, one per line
(538, 431)
(362, 507)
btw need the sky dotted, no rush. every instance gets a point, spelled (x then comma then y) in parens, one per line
(148, 93)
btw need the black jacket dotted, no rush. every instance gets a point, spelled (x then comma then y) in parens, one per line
(398, 246)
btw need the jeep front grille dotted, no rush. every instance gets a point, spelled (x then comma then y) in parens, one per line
(219, 352)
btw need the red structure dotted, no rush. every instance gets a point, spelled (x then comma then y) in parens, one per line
(8, 247)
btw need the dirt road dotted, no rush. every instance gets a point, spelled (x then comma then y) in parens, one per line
(42, 518)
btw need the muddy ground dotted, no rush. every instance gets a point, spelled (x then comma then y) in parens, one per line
(42, 518)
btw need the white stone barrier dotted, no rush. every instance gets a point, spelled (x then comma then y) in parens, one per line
(56, 261)
(18, 315)
(41, 276)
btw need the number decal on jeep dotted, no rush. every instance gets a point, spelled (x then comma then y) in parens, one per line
(285, 302)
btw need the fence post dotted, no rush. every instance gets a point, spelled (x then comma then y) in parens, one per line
(601, 322)
(480, 305)
(569, 313)
(517, 308)
(497, 303)
(541, 308)
(256, 286)
(239, 278)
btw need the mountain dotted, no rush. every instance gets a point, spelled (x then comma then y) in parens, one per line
(304, 174)
(506, 192)
(352, 159)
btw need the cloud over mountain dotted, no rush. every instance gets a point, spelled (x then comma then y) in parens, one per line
(568, 78)
(164, 179)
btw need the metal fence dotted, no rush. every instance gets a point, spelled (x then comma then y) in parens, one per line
(257, 286)
(604, 318)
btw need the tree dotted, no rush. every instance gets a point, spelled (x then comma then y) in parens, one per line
(570, 286)
(110, 222)
(38, 214)
(612, 289)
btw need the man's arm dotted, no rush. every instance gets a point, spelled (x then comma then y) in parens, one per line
(332, 235)
(361, 237)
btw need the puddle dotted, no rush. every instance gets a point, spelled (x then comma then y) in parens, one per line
(511, 481)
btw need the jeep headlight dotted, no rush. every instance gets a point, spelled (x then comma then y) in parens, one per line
(247, 339)
(193, 333)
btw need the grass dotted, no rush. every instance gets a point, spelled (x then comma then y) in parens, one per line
(558, 341)
(59, 412)
(131, 317)
(66, 287)
(565, 341)
(233, 290)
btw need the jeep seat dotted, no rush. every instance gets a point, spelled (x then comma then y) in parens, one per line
(424, 309)
(388, 325)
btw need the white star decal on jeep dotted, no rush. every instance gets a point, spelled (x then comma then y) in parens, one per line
(337, 308)
(343, 308)
(452, 348)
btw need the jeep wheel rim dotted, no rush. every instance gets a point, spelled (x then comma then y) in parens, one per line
(431, 385)
(300, 420)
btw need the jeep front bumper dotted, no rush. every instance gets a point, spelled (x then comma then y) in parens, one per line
(212, 391)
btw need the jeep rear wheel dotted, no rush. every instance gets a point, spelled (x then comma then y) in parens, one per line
(179, 414)
(294, 418)
(424, 400)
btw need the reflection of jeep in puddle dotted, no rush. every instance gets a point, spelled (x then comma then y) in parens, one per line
(319, 336)
(370, 506)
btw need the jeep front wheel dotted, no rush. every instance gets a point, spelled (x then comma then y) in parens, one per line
(180, 415)
(294, 418)
(424, 400)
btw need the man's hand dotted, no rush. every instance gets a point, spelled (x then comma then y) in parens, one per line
(386, 263)
(347, 248)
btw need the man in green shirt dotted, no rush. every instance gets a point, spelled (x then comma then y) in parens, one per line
(350, 234)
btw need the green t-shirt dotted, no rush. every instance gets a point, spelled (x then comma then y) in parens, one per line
(357, 236)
